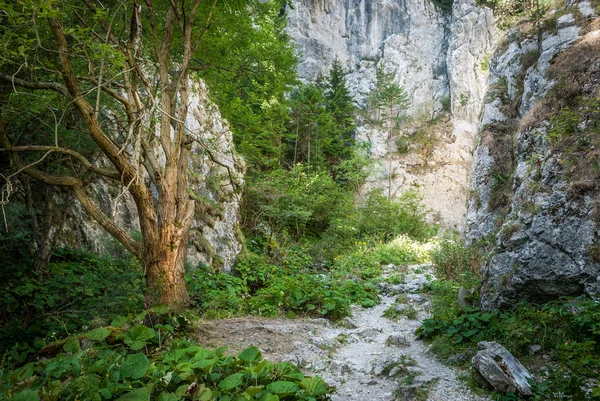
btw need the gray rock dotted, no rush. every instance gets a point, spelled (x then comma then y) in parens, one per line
(565, 21)
(534, 349)
(544, 229)
(385, 364)
(586, 9)
(464, 298)
(368, 381)
(397, 340)
(416, 299)
(369, 333)
(347, 323)
(306, 355)
(501, 369)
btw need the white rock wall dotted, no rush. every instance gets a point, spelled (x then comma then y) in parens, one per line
(436, 57)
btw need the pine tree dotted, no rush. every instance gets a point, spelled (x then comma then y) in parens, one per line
(340, 104)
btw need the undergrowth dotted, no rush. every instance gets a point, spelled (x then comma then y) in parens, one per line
(130, 361)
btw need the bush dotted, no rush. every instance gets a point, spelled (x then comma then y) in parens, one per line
(80, 290)
(453, 260)
(312, 294)
(567, 329)
(300, 201)
(377, 219)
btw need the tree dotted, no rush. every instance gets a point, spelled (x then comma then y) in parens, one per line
(388, 100)
(114, 78)
(311, 124)
(340, 104)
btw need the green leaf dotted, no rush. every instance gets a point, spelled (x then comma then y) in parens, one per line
(283, 388)
(138, 336)
(253, 390)
(470, 333)
(250, 355)
(141, 394)
(72, 346)
(135, 366)
(231, 381)
(119, 321)
(205, 364)
(269, 397)
(160, 309)
(168, 397)
(204, 394)
(314, 386)
(98, 334)
(106, 393)
(485, 317)
(27, 395)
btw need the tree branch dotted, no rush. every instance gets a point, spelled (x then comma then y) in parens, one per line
(85, 162)
(34, 85)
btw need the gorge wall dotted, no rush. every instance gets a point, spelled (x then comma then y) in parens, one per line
(435, 57)
(534, 188)
(517, 121)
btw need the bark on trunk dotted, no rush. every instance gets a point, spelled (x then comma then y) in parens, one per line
(165, 272)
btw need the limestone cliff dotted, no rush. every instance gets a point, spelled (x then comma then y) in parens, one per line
(217, 175)
(435, 56)
(534, 187)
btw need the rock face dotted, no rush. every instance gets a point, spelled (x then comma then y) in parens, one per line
(435, 56)
(533, 193)
(499, 369)
(216, 178)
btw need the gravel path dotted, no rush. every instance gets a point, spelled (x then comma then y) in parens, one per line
(374, 358)
(366, 369)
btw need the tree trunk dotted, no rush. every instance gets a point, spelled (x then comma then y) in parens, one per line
(165, 269)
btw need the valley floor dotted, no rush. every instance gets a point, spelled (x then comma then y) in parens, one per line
(367, 358)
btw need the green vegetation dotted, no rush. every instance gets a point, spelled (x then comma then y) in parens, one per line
(567, 330)
(129, 361)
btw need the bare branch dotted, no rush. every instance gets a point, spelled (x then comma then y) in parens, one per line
(34, 85)
(53, 149)
(107, 223)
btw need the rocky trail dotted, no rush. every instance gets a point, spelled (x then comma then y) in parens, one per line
(367, 357)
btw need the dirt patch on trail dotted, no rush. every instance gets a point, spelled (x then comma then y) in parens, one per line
(276, 338)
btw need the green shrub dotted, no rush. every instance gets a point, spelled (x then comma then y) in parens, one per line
(377, 219)
(395, 313)
(81, 290)
(311, 294)
(452, 259)
(567, 329)
(215, 294)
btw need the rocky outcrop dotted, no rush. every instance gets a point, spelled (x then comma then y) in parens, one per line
(533, 187)
(216, 178)
(407, 36)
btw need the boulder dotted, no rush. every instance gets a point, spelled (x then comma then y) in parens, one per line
(500, 369)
